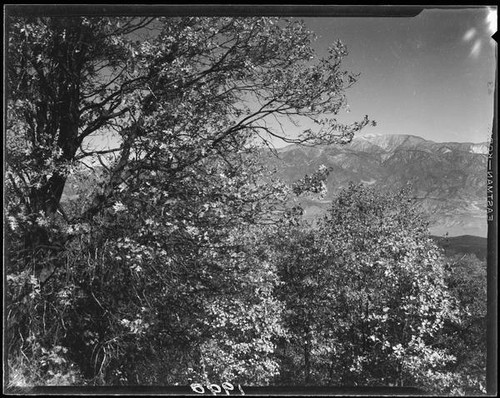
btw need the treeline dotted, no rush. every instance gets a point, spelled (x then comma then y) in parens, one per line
(183, 260)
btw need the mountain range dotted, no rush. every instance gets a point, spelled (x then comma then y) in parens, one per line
(448, 179)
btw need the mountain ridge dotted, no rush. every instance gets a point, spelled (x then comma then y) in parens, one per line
(482, 147)
(448, 178)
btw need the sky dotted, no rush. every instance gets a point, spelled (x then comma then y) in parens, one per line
(432, 75)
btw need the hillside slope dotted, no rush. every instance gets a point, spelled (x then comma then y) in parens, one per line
(448, 179)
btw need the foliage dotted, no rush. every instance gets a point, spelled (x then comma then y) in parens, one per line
(51, 368)
(173, 256)
(194, 88)
(466, 336)
(147, 273)
(365, 295)
(178, 272)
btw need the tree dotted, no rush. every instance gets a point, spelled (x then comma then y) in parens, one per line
(466, 335)
(365, 295)
(190, 100)
(179, 275)
(196, 88)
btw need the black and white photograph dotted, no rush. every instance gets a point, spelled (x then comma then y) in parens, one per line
(246, 200)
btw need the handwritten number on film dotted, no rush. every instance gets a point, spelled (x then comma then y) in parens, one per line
(215, 388)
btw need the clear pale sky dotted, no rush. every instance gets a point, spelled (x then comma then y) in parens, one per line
(431, 75)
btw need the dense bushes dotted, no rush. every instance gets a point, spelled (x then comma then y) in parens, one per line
(177, 258)
(363, 298)
(365, 294)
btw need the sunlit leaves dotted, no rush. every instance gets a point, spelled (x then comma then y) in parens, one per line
(369, 285)
(160, 261)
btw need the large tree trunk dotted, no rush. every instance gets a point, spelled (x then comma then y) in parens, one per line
(57, 127)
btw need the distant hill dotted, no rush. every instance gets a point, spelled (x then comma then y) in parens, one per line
(448, 179)
(465, 244)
